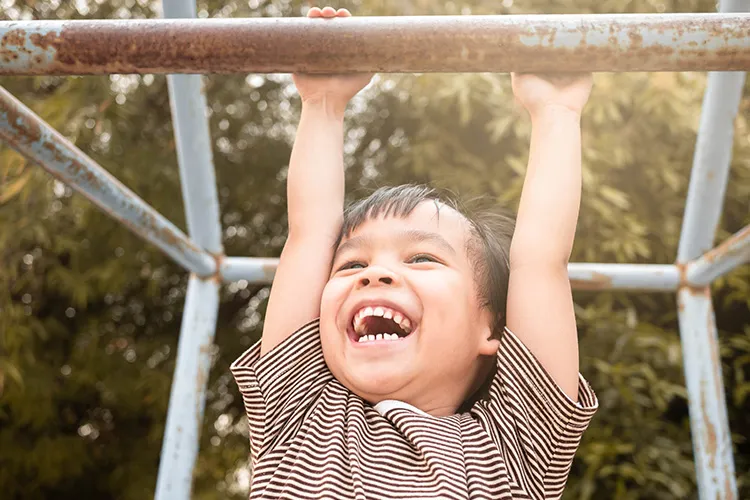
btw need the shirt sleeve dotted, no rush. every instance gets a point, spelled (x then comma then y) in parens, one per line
(278, 388)
(537, 425)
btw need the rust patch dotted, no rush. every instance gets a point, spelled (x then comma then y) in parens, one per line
(26, 128)
(152, 228)
(636, 40)
(730, 247)
(201, 380)
(15, 37)
(84, 174)
(269, 271)
(728, 489)
(699, 291)
(692, 290)
(710, 434)
(50, 40)
(713, 343)
(216, 276)
(598, 281)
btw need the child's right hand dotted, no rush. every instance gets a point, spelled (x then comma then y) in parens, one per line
(334, 91)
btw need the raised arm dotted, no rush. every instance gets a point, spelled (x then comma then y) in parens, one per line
(540, 303)
(315, 199)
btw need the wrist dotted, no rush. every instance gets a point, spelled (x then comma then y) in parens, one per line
(555, 113)
(325, 105)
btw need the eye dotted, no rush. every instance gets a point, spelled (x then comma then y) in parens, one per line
(352, 265)
(421, 259)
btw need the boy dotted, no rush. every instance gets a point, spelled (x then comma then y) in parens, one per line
(384, 396)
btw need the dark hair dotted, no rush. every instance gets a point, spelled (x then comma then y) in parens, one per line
(488, 247)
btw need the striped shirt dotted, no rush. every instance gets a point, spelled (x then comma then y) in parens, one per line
(310, 437)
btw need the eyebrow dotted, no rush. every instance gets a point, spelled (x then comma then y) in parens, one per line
(410, 236)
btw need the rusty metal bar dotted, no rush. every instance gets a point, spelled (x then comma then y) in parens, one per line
(532, 43)
(254, 270)
(709, 423)
(24, 131)
(722, 259)
(187, 395)
(583, 276)
(193, 138)
(644, 277)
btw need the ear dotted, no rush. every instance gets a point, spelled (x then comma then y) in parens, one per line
(488, 345)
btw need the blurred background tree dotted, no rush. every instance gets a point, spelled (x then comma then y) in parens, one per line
(89, 314)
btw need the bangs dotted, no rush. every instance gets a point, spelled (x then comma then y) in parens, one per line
(397, 201)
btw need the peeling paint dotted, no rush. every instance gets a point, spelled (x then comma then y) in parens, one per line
(709, 441)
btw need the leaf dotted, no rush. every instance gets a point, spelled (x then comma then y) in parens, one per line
(11, 189)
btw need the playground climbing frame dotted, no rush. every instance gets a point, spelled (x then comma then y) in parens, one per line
(184, 46)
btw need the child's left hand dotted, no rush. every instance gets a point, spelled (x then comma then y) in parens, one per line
(538, 93)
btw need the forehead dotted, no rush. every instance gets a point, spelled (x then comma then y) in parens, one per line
(429, 216)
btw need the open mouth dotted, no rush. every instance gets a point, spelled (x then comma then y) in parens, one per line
(379, 323)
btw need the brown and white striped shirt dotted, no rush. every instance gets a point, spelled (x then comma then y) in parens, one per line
(311, 437)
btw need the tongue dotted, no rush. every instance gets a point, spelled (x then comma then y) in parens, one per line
(376, 324)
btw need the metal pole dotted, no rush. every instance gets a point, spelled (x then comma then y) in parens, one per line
(187, 397)
(195, 159)
(34, 138)
(568, 43)
(709, 424)
(722, 259)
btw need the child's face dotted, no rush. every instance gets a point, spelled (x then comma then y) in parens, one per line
(409, 276)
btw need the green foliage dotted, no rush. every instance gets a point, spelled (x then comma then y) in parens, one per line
(90, 314)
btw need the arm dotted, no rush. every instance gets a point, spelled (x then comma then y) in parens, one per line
(540, 303)
(315, 200)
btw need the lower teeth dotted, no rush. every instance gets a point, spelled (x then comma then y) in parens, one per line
(380, 336)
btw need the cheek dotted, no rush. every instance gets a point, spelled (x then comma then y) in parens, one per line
(446, 296)
(334, 294)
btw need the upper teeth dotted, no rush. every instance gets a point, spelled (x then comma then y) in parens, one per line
(383, 312)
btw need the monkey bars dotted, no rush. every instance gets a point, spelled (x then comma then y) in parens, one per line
(624, 42)
(635, 42)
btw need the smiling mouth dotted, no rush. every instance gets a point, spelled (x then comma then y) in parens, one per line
(379, 323)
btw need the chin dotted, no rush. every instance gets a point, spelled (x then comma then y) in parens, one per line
(374, 387)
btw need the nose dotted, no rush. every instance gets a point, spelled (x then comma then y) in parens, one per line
(377, 276)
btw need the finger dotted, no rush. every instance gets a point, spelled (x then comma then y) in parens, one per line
(343, 13)
(314, 12)
(329, 12)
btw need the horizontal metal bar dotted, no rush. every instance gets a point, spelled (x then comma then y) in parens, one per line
(722, 259)
(583, 276)
(592, 42)
(654, 277)
(254, 270)
(34, 138)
